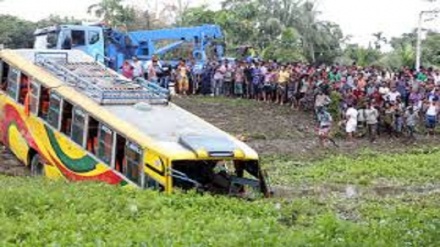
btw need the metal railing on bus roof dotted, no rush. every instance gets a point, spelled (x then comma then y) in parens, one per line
(99, 83)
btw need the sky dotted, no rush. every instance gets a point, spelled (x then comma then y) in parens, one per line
(359, 18)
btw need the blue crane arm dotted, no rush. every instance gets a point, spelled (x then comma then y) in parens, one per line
(183, 33)
(145, 44)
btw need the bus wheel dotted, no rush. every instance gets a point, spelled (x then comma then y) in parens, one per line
(37, 167)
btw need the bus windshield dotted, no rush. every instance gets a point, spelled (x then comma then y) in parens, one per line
(47, 40)
(220, 177)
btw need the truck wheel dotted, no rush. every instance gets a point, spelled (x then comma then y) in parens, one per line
(37, 167)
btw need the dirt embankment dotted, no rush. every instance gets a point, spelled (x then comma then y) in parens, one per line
(278, 130)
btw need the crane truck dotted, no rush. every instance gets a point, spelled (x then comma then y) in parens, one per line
(113, 47)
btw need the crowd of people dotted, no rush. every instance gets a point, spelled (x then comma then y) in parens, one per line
(362, 101)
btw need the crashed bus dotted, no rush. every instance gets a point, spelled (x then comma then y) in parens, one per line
(65, 115)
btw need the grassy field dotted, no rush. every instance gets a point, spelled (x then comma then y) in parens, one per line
(386, 195)
(43, 213)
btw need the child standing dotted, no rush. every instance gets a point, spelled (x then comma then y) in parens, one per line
(239, 80)
(411, 118)
(324, 125)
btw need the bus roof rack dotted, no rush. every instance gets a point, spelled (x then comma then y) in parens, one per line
(99, 83)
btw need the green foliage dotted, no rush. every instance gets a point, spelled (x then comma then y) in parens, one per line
(379, 40)
(403, 53)
(286, 30)
(406, 38)
(367, 168)
(362, 56)
(44, 213)
(199, 15)
(431, 49)
(333, 108)
(113, 12)
(53, 20)
(15, 32)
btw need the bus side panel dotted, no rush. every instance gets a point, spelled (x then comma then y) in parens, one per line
(156, 168)
(22, 132)
(13, 132)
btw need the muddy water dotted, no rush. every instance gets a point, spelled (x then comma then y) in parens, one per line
(352, 191)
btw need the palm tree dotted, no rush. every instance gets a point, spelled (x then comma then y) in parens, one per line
(379, 40)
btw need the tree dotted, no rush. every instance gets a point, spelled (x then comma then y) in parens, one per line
(52, 20)
(379, 40)
(431, 49)
(15, 32)
(406, 38)
(112, 12)
(198, 15)
(362, 56)
(262, 24)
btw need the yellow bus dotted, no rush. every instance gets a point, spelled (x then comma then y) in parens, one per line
(64, 115)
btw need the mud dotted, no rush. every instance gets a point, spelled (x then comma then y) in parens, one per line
(353, 191)
(9, 165)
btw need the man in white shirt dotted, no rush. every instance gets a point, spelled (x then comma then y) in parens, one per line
(393, 95)
(351, 117)
(431, 118)
(138, 71)
(436, 76)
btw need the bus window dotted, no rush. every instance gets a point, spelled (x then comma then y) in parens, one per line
(105, 144)
(24, 88)
(35, 96)
(120, 153)
(13, 83)
(54, 111)
(66, 118)
(133, 163)
(43, 110)
(92, 135)
(78, 126)
(4, 70)
(93, 37)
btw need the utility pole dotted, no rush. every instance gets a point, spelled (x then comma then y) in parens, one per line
(419, 41)
(419, 35)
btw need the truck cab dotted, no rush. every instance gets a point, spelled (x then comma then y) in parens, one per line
(89, 39)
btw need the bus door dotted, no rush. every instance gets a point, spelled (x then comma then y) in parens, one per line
(132, 163)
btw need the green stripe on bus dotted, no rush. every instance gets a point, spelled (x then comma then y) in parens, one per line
(82, 165)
